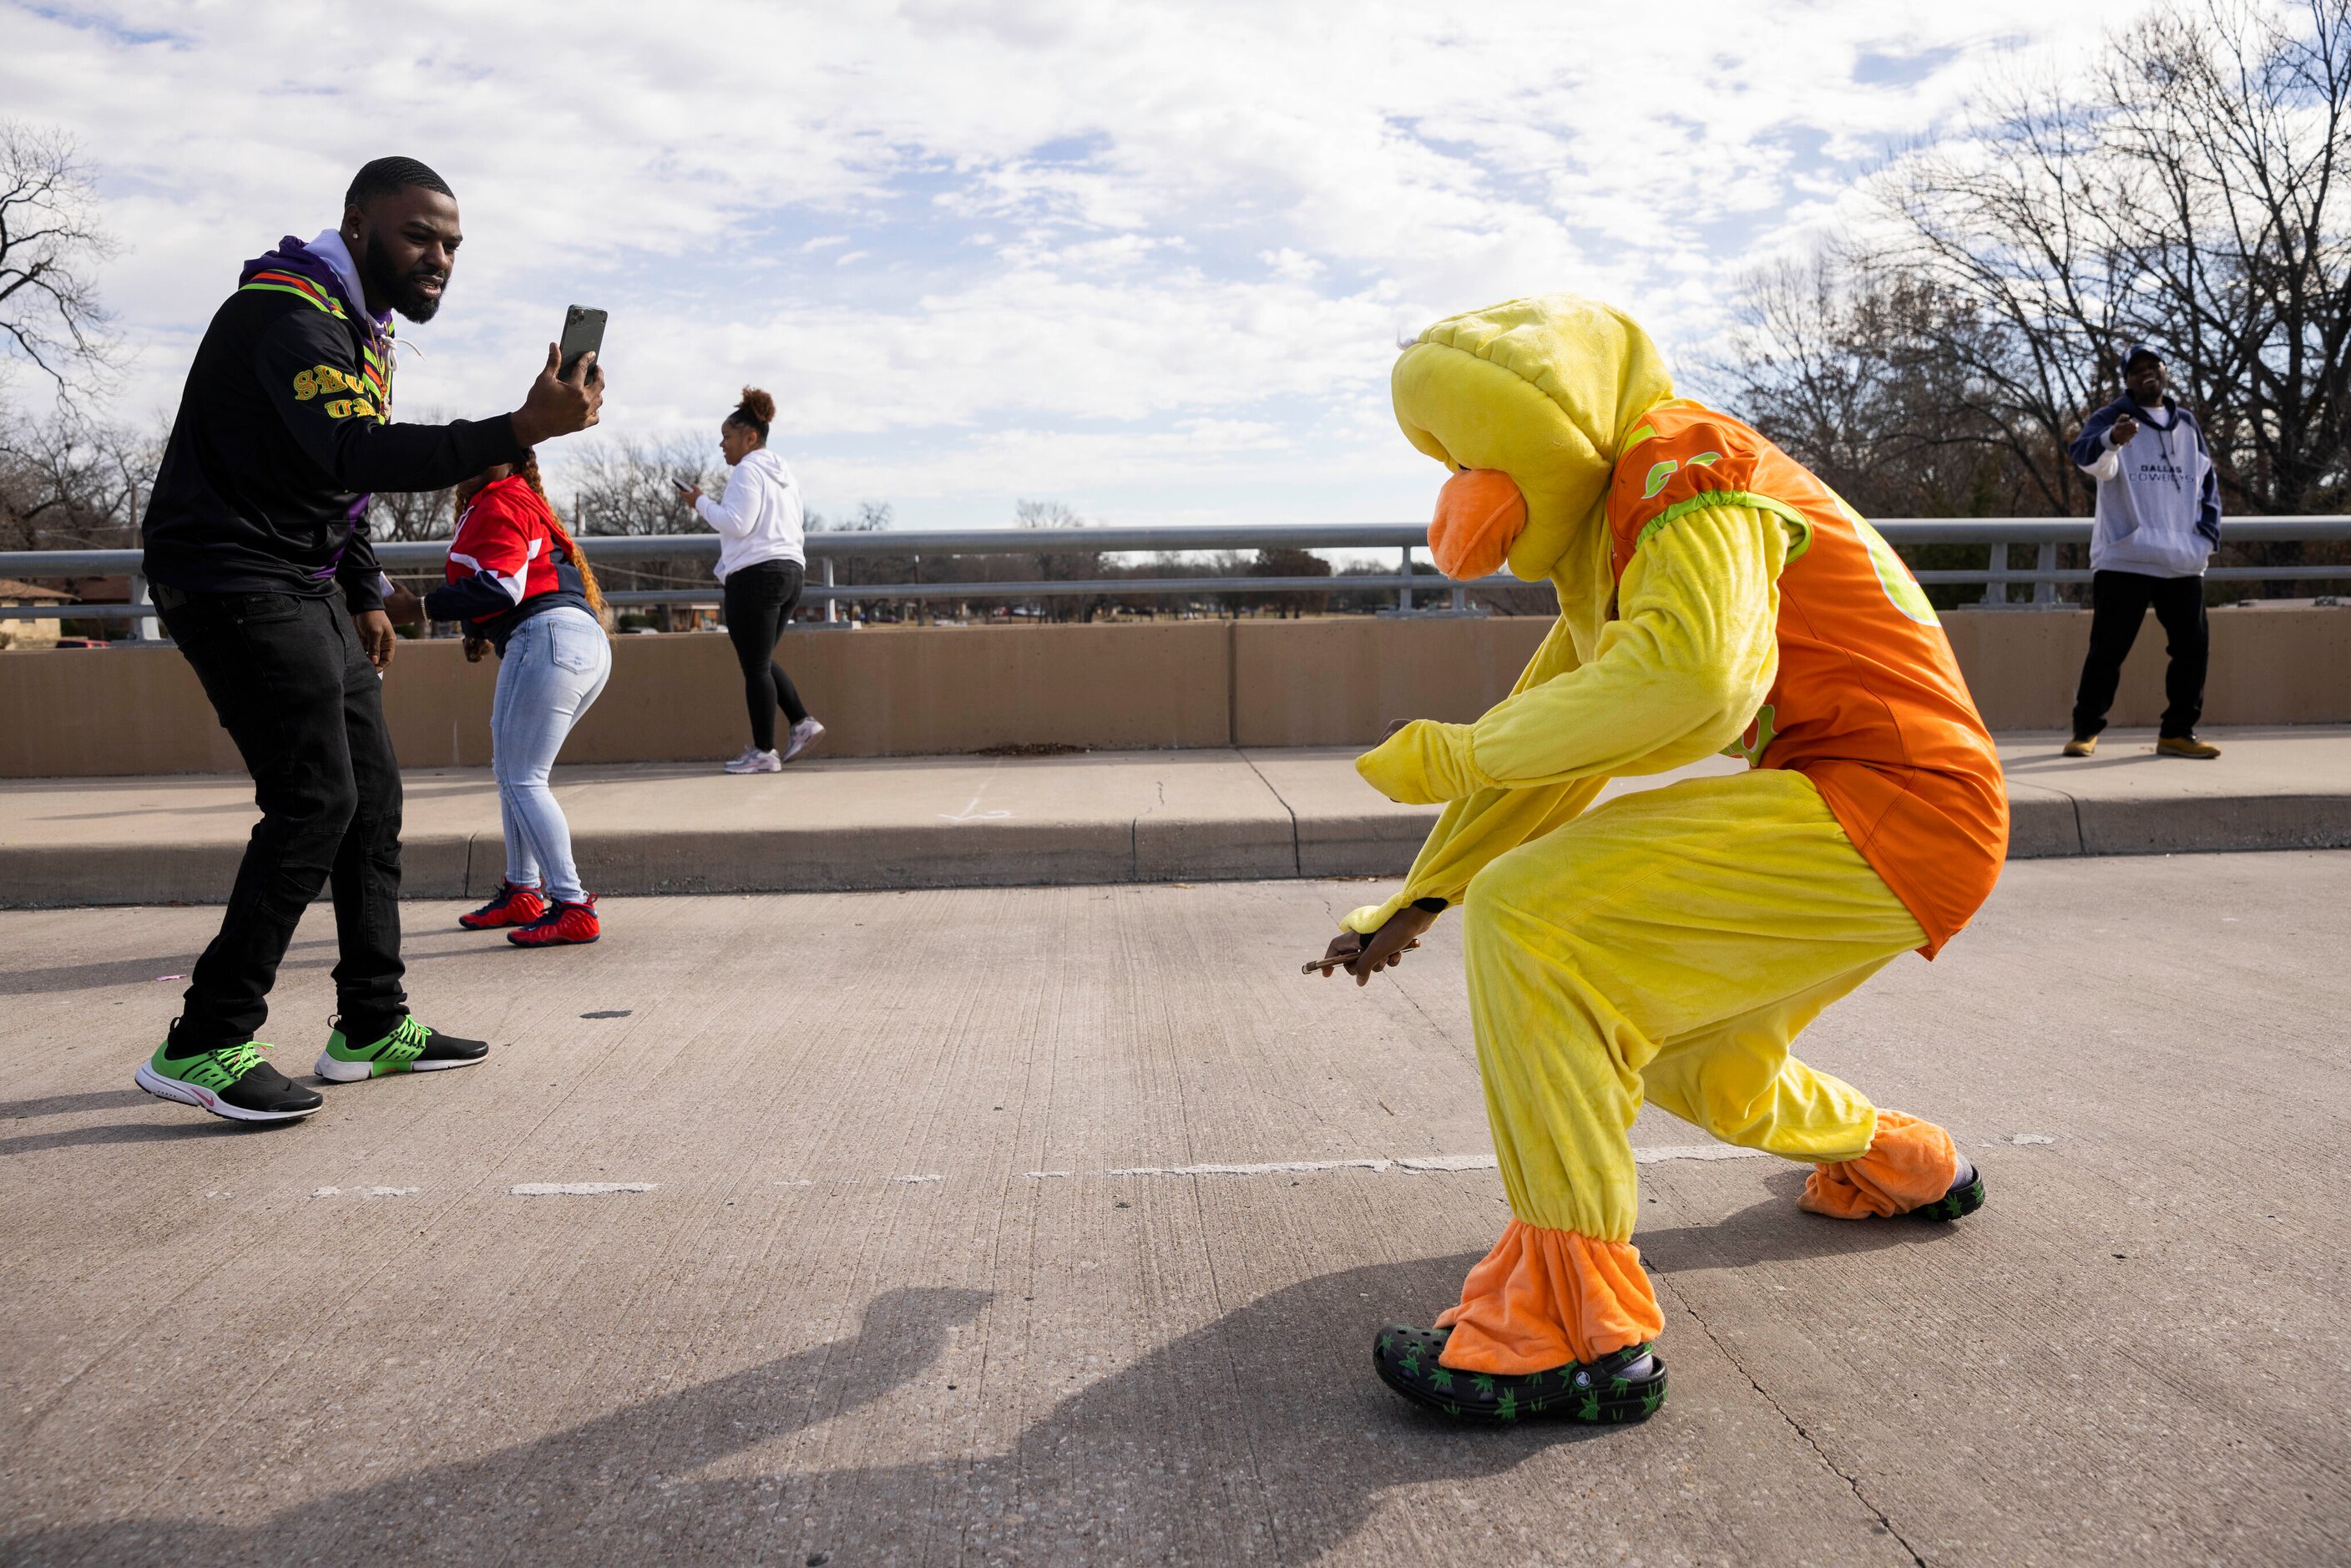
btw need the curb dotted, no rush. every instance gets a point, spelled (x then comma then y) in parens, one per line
(2046, 823)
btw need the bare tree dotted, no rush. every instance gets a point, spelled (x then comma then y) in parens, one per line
(2008, 239)
(413, 515)
(626, 486)
(72, 482)
(870, 517)
(51, 242)
(1062, 566)
(2189, 199)
(2239, 116)
(1937, 362)
(1841, 362)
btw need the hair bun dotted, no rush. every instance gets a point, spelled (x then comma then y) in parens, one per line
(758, 405)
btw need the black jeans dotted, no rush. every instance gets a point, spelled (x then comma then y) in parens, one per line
(2119, 601)
(759, 598)
(291, 686)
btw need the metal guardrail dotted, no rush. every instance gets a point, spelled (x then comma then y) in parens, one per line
(824, 550)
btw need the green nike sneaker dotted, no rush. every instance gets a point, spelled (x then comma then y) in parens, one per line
(411, 1047)
(229, 1081)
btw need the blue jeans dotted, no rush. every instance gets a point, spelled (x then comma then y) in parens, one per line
(555, 666)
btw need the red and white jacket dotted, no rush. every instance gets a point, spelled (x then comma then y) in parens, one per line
(507, 564)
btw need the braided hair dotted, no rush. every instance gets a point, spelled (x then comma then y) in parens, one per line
(528, 469)
(528, 472)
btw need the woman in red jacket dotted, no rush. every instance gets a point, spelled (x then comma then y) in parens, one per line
(521, 586)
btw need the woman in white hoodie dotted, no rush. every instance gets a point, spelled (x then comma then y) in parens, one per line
(760, 561)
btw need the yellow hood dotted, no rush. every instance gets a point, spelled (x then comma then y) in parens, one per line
(1544, 389)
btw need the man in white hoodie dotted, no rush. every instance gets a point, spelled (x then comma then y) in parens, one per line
(2159, 517)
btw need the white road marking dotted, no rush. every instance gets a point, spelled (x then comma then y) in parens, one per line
(1650, 1155)
(1420, 1163)
(1278, 1167)
(971, 812)
(1657, 1154)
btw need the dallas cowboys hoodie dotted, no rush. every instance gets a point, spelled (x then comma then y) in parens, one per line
(2159, 499)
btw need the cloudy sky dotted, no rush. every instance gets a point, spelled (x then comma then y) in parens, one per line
(1149, 260)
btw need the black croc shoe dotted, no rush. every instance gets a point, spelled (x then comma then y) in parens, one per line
(1965, 1197)
(1626, 1384)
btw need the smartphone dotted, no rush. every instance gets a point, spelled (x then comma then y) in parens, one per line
(1324, 966)
(583, 333)
(683, 488)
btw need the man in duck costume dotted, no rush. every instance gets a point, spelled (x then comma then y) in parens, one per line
(1714, 597)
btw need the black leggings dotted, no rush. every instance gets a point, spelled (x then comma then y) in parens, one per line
(760, 601)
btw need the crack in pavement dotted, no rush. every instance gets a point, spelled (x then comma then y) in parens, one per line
(1297, 846)
(1797, 1427)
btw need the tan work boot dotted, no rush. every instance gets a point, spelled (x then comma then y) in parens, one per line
(2081, 745)
(2184, 746)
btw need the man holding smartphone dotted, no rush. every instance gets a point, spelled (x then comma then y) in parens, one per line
(2158, 518)
(257, 545)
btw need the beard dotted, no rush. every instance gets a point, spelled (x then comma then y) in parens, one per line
(403, 289)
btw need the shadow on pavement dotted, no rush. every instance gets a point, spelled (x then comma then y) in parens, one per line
(63, 1104)
(136, 1133)
(1264, 1435)
(1776, 1231)
(97, 977)
(416, 946)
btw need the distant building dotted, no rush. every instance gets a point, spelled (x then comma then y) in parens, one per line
(28, 632)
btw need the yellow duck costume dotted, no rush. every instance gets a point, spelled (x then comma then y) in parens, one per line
(1714, 597)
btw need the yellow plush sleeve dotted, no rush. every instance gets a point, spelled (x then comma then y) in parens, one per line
(1474, 830)
(1678, 675)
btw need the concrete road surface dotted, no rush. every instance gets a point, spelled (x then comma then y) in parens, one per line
(1052, 1226)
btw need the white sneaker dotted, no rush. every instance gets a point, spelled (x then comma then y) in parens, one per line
(805, 734)
(753, 760)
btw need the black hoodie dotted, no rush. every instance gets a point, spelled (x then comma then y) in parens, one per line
(282, 433)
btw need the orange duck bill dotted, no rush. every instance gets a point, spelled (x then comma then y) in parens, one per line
(1479, 516)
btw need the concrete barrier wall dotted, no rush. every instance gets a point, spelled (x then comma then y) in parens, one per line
(1340, 682)
(905, 691)
(2269, 666)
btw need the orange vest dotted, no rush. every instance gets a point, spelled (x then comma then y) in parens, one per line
(1869, 703)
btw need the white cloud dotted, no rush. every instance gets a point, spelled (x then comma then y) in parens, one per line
(1148, 248)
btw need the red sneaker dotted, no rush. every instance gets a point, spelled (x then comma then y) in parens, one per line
(512, 906)
(562, 925)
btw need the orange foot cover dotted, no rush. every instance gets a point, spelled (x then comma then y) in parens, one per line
(1543, 1298)
(1909, 1165)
